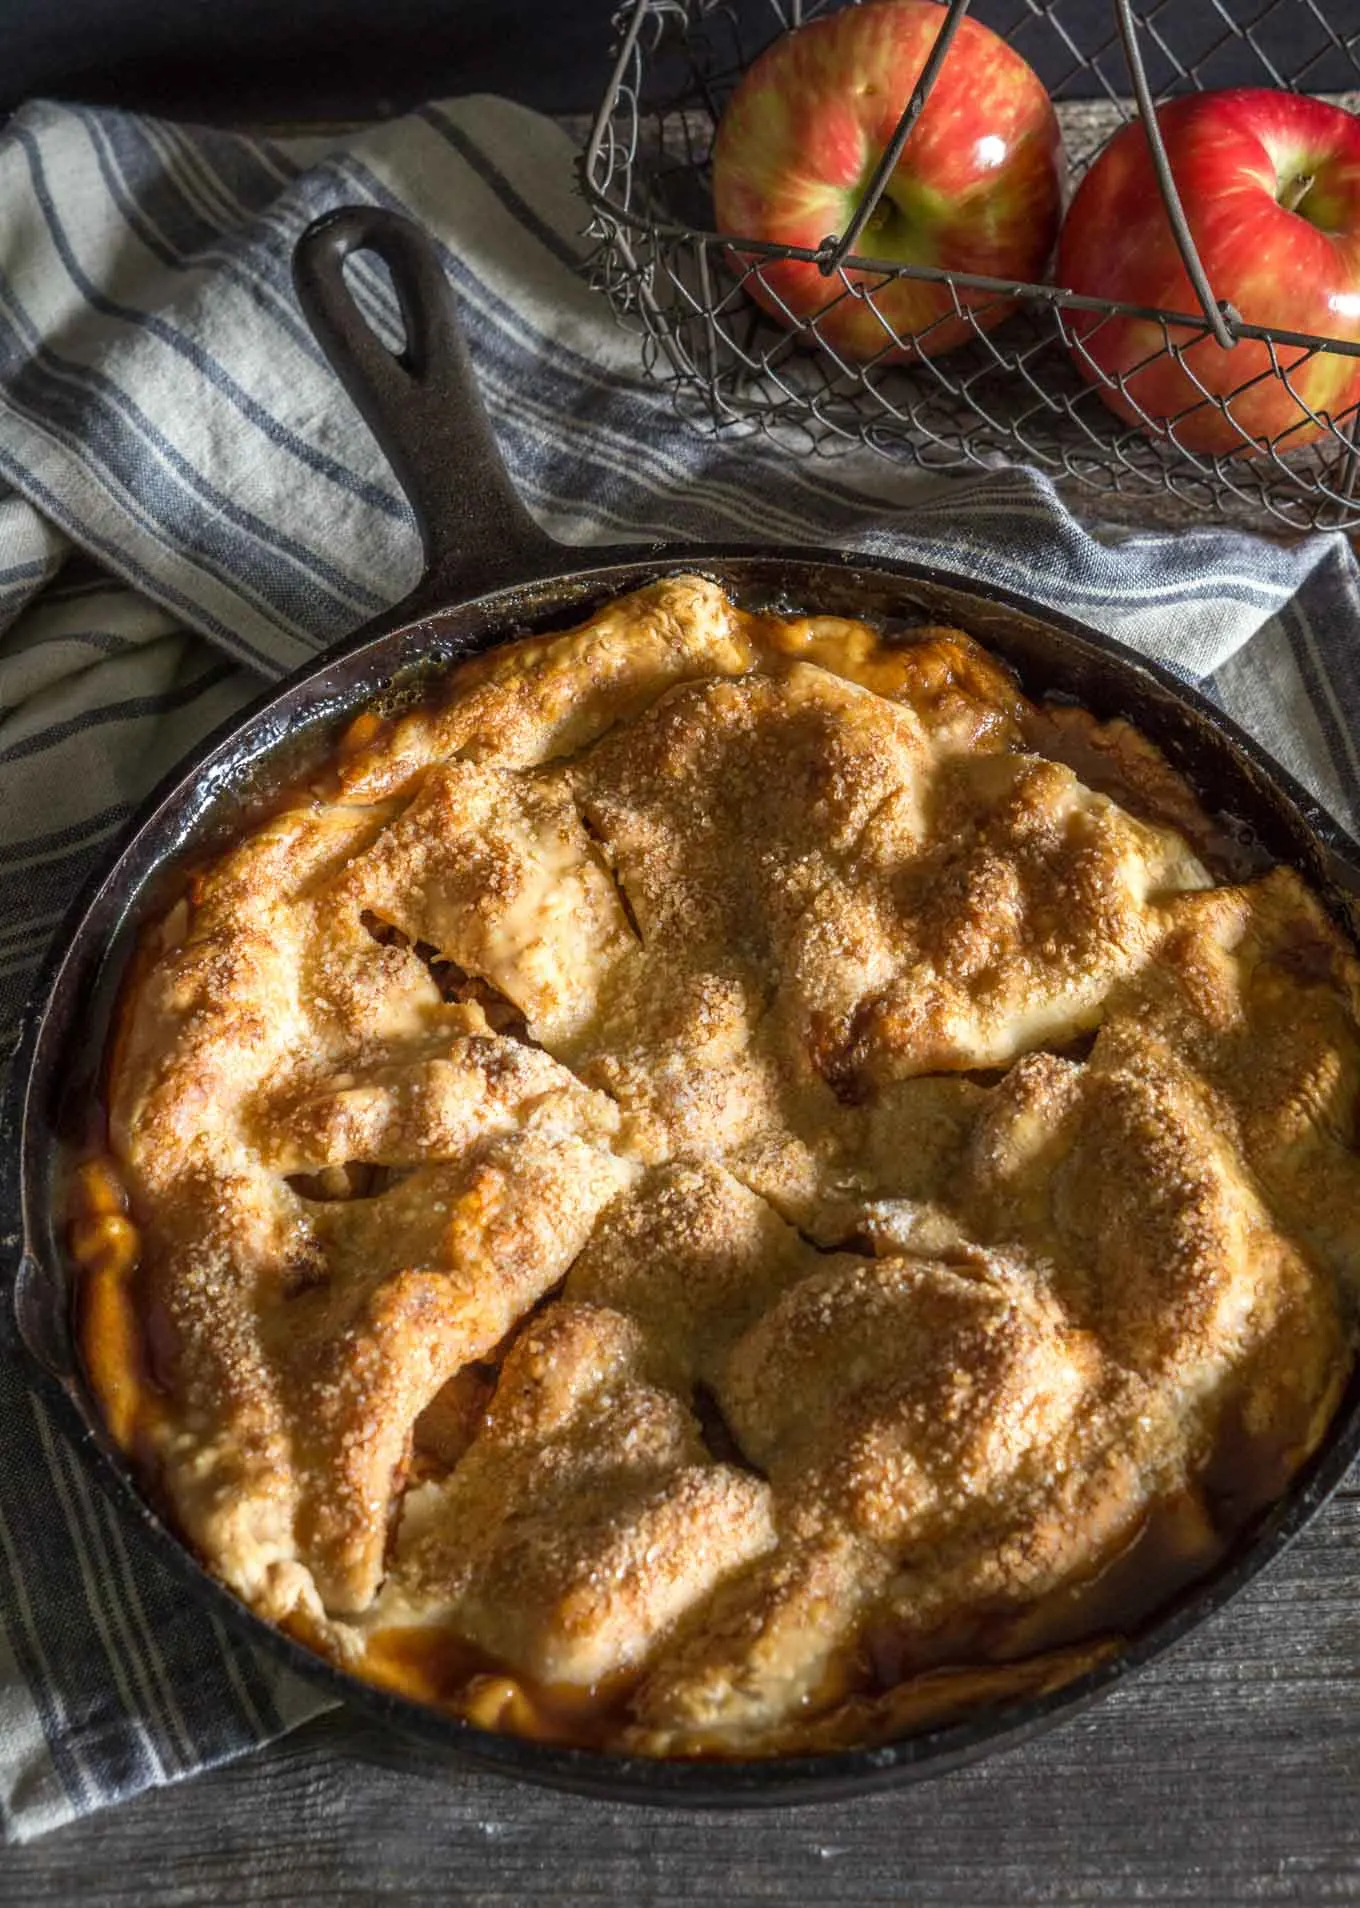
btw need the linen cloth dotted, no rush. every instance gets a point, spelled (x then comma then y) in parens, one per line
(191, 507)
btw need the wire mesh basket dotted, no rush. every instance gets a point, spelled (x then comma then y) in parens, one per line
(1013, 393)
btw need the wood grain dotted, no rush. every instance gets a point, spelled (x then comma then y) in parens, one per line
(1230, 1772)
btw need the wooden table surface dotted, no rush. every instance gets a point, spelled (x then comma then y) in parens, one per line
(1228, 1772)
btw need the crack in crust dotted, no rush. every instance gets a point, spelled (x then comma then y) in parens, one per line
(699, 1182)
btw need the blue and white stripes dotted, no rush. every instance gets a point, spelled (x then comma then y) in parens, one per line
(189, 506)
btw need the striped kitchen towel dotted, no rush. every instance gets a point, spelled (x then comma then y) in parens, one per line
(191, 507)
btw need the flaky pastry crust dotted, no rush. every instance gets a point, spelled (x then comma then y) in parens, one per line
(702, 1192)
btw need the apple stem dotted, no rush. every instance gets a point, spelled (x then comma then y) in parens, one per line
(1297, 191)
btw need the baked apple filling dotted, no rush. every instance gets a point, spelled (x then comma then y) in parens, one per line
(704, 1193)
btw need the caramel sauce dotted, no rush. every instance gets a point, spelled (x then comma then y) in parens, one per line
(113, 1335)
(430, 1665)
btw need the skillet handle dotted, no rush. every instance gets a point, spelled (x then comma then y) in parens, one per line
(422, 405)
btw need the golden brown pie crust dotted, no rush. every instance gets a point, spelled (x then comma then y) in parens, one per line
(703, 1193)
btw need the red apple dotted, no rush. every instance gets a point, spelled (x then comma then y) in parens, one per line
(1270, 183)
(976, 189)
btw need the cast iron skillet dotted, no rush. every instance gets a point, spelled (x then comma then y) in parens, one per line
(490, 573)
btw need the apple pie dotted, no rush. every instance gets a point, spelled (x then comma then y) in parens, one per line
(704, 1192)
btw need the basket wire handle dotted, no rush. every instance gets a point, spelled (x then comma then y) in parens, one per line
(833, 250)
(1221, 319)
